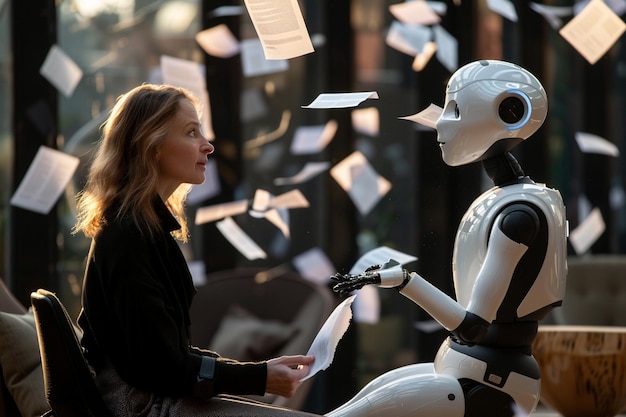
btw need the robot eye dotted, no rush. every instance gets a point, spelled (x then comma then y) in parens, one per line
(457, 112)
(511, 110)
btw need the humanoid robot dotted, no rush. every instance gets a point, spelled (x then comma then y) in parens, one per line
(509, 264)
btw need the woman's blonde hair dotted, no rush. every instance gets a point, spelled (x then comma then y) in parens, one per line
(123, 176)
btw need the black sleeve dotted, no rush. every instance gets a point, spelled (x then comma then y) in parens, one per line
(233, 377)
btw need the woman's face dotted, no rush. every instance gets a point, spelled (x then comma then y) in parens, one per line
(182, 156)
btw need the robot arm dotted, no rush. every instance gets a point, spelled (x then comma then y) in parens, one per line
(513, 230)
(388, 275)
(439, 305)
(491, 286)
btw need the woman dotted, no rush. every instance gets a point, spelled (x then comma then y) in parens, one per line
(137, 289)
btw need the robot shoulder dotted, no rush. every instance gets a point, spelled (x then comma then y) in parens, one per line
(520, 222)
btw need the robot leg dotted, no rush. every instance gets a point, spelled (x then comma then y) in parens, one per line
(384, 379)
(413, 390)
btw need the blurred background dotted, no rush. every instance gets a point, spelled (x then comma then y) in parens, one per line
(119, 44)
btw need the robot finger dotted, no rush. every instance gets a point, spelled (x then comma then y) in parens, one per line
(373, 268)
(356, 282)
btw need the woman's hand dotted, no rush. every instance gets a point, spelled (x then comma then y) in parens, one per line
(284, 374)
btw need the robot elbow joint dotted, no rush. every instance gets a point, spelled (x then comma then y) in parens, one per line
(472, 330)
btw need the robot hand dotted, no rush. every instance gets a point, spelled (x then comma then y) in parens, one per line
(348, 283)
(388, 275)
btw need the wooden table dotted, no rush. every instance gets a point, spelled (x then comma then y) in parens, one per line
(544, 411)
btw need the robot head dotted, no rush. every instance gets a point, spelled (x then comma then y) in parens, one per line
(490, 107)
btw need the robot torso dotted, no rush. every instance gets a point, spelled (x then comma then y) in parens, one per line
(539, 279)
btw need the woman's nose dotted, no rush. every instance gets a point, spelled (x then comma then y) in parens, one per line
(208, 148)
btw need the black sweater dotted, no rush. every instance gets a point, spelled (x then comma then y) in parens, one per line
(135, 315)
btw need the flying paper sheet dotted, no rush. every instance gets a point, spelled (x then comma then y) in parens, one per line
(414, 40)
(260, 203)
(263, 203)
(280, 219)
(366, 121)
(310, 170)
(594, 30)
(327, 339)
(280, 27)
(590, 143)
(290, 199)
(340, 100)
(44, 181)
(253, 105)
(447, 48)
(197, 269)
(273, 209)
(61, 71)
(240, 240)
(226, 11)
(357, 177)
(218, 41)
(253, 62)
(427, 117)
(423, 58)
(504, 8)
(408, 39)
(314, 265)
(587, 233)
(416, 12)
(219, 211)
(313, 139)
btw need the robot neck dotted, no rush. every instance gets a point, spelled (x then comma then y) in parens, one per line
(503, 168)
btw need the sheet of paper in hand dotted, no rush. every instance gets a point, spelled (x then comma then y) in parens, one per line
(325, 343)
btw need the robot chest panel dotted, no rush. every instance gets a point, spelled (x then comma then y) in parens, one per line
(474, 229)
(476, 225)
(471, 241)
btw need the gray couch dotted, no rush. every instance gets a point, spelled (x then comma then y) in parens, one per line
(14, 310)
(595, 293)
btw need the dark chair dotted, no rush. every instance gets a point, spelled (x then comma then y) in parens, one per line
(70, 387)
(286, 298)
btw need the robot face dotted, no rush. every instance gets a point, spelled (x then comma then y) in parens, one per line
(490, 107)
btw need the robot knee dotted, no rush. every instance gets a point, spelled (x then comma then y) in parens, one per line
(484, 401)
